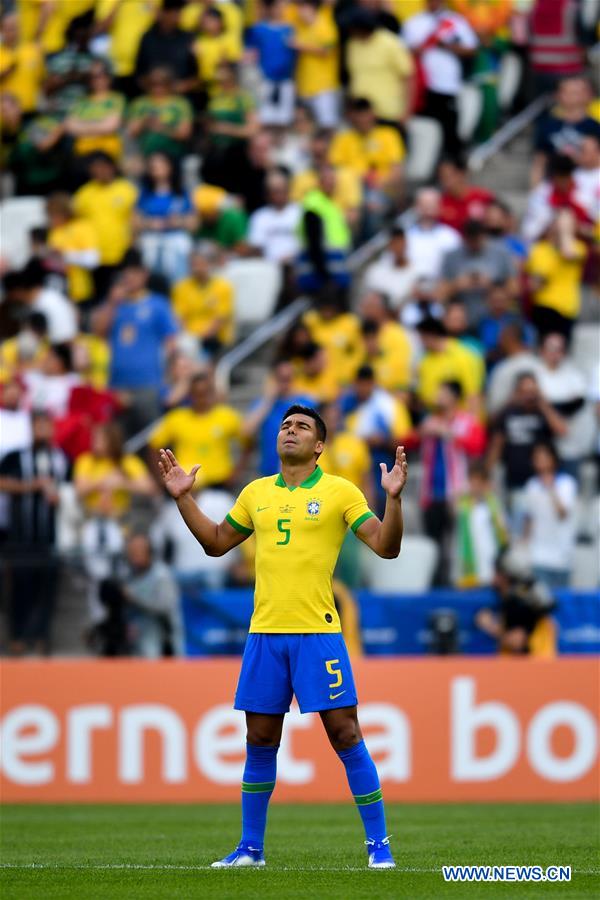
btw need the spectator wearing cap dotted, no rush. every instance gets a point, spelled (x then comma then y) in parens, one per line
(348, 183)
(325, 238)
(271, 42)
(469, 271)
(203, 302)
(560, 191)
(94, 121)
(107, 200)
(160, 121)
(427, 238)
(167, 42)
(460, 200)
(387, 346)
(316, 41)
(445, 359)
(393, 274)
(273, 229)
(75, 241)
(220, 218)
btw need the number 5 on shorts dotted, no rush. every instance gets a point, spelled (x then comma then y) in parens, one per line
(330, 666)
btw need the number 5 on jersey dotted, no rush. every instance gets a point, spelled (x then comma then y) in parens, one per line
(330, 665)
(282, 527)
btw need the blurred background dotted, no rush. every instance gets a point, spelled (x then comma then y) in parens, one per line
(388, 209)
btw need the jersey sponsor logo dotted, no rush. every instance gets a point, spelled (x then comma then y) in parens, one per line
(287, 509)
(313, 507)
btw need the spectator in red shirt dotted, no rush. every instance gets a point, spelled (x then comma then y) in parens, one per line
(461, 201)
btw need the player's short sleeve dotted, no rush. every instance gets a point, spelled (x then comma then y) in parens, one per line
(355, 507)
(239, 516)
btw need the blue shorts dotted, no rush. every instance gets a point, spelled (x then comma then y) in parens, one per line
(314, 667)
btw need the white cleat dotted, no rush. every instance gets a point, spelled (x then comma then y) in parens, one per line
(380, 855)
(243, 856)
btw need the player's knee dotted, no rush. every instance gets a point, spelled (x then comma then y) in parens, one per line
(262, 737)
(344, 735)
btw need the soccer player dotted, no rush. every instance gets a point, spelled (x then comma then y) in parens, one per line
(295, 644)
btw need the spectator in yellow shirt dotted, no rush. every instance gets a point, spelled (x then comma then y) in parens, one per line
(95, 121)
(54, 23)
(107, 200)
(316, 40)
(345, 454)
(446, 359)
(76, 242)
(107, 479)
(387, 347)
(316, 377)
(21, 65)
(214, 46)
(380, 68)
(338, 332)
(203, 302)
(207, 433)
(348, 184)
(194, 10)
(124, 22)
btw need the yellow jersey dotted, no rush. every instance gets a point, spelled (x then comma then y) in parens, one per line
(372, 155)
(22, 70)
(54, 37)
(232, 22)
(316, 74)
(90, 467)
(208, 438)
(322, 387)
(109, 207)
(132, 19)
(299, 532)
(341, 337)
(454, 363)
(562, 277)
(378, 68)
(75, 236)
(348, 456)
(197, 306)
(347, 193)
(211, 50)
(393, 363)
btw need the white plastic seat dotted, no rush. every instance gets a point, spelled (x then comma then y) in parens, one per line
(18, 215)
(256, 283)
(411, 572)
(470, 104)
(424, 145)
(586, 347)
(509, 79)
(585, 573)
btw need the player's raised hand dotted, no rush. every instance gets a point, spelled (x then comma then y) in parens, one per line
(393, 481)
(175, 479)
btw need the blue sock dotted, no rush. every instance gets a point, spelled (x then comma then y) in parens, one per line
(364, 784)
(258, 782)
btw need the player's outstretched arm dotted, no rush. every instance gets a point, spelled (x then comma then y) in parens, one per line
(216, 539)
(385, 537)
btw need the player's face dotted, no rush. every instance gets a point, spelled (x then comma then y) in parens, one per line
(297, 440)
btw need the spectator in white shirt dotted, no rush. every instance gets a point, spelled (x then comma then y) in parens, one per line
(441, 39)
(551, 523)
(518, 360)
(560, 190)
(587, 176)
(428, 240)
(393, 274)
(49, 388)
(273, 229)
(15, 432)
(29, 286)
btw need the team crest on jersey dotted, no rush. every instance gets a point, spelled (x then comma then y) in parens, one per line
(313, 507)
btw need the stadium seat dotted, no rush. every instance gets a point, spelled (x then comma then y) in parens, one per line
(19, 215)
(470, 104)
(411, 572)
(424, 145)
(586, 340)
(585, 573)
(257, 283)
(509, 78)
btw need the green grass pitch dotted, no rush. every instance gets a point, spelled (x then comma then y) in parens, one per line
(164, 851)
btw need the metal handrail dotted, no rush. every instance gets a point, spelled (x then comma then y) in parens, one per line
(484, 152)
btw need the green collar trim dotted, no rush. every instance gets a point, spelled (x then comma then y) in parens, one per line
(307, 483)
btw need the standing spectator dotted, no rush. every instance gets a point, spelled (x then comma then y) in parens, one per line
(74, 240)
(208, 433)
(469, 271)
(500, 312)
(165, 219)
(393, 274)
(346, 454)
(140, 328)
(427, 239)
(160, 120)
(338, 332)
(380, 68)
(271, 41)
(550, 529)
(555, 46)
(325, 237)
(587, 176)
(516, 357)
(561, 131)
(273, 229)
(560, 191)
(461, 201)
(555, 266)
(230, 120)
(481, 533)
(21, 64)
(527, 420)
(29, 286)
(15, 435)
(348, 182)
(316, 41)
(449, 437)
(49, 387)
(392, 359)
(445, 359)
(441, 40)
(94, 121)
(214, 45)
(31, 478)
(248, 179)
(122, 24)
(315, 376)
(167, 42)
(203, 302)
(264, 417)
(500, 225)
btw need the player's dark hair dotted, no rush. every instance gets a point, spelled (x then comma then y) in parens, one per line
(298, 410)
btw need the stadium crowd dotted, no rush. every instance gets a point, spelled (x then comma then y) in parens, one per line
(168, 139)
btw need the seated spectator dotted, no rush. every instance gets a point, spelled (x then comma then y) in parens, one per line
(31, 478)
(500, 225)
(380, 68)
(27, 349)
(563, 128)
(273, 229)
(21, 64)
(160, 120)
(36, 152)
(94, 121)
(515, 357)
(75, 242)
(316, 42)
(207, 433)
(325, 239)
(263, 419)
(248, 179)
(68, 67)
(563, 385)
(291, 146)
(427, 239)
(230, 120)
(388, 347)
(555, 266)
(445, 359)
(221, 220)
(456, 324)
(49, 387)
(166, 41)
(107, 200)
(315, 377)
(525, 421)
(107, 479)
(164, 219)
(461, 202)
(469, 271)
(560, 191)
(449, 437)
(270, 44)
(29, 287)
(213, 46)
(203, 302)
(393, 275)
(233, 20)
(140, 329)
(338, 332)
(550, 518)
(181, 369)
(481, 533)
(500, 311)
(348, 184)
